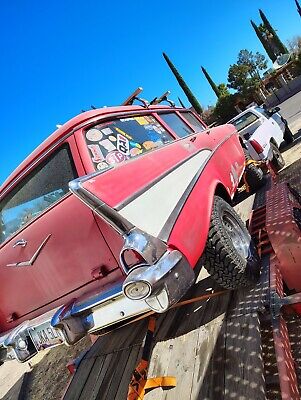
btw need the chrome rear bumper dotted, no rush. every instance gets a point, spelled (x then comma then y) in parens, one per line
(169, 280)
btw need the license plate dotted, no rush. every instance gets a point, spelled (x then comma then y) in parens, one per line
(45, 336)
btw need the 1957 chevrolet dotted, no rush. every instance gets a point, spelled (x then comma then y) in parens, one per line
(108, 218)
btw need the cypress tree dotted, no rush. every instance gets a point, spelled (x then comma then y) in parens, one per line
(190, 96)
(281, 47)
(298, 7)
(264, 42)
(211, 83)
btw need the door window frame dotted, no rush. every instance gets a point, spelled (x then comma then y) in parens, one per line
(77, 166)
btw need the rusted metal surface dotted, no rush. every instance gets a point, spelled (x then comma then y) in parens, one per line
(284, 233)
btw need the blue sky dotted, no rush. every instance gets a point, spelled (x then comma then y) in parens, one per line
(60, 57)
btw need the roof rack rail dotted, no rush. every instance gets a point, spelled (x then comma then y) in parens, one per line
(163, 97)
(130, 100)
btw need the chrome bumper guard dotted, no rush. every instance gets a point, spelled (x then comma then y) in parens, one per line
(168, 279)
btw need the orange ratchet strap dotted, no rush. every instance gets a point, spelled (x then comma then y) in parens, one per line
(139, 382)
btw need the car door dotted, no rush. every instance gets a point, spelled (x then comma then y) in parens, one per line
(51, 248)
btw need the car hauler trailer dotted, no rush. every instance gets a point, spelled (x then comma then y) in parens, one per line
(242, 344)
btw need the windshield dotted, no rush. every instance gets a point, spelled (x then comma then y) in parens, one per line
(121, 139)
(244, 120)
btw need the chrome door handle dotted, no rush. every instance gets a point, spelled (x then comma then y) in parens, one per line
(21, 243)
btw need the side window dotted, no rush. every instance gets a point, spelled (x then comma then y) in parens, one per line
(194, 122)
(38, 191)
(176, 124)
(121, 139)
(244, 121)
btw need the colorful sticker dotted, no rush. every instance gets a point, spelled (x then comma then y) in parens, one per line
(112, 138)
(108, 145)
(148, 127)
(134, 144)
(124, 133)
(97, 155)
(141, 120)
(115, 157)
(107, 131)
(134, 151)
(94, 135)
(126, 119)
(149, 145)
(102, 165)
(123, 144)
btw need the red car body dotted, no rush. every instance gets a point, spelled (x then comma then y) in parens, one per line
(66, 253)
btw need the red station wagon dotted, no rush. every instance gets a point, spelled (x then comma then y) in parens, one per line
(108, 218)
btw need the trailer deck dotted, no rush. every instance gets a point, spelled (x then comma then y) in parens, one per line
(220, 348)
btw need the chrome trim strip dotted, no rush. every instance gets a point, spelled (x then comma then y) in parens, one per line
(30, 262)
(167, 228)
(112, 217)
(124, 203)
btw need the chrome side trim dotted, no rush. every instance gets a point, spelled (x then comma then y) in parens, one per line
(30, 262)
(112, 217)
(149, 247)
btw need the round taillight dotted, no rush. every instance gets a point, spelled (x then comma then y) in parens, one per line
(137, 290)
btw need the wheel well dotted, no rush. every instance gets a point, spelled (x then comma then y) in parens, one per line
(222, 192)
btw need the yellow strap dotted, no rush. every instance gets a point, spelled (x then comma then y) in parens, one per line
(161, 381)
(252, 162)
(137, 391)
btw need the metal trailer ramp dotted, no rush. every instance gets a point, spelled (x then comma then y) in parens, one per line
(239, 345)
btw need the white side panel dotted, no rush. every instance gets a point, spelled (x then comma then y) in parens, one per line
(151, 210)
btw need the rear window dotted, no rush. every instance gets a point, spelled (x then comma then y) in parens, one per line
(121, 139)
(244, 121)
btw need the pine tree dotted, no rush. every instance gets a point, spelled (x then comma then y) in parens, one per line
(211, 83)
(190, 96)
(298, 7)
(280, 46)
(264, 42)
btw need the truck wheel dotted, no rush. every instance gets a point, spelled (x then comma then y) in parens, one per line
(288, 135)
(254, 175)
(277, 160)
(230, 255)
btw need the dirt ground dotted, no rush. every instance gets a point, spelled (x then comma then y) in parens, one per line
(48, 373)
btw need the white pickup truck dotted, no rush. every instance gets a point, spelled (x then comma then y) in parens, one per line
(263, 131)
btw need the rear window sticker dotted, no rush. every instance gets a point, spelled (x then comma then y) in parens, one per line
(107, 131)
(135, 151)
(115, 157)
(94, 135)
(134, 144)
(97, 155)
(108, 145)
(112, 138)
(126, 119)
(141, 120)
(123, 144)
(102, 165)
(148, 127)
(149, 145)
(123, 133)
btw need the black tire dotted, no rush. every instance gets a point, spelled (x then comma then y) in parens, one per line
(277, 160)
(288, 135)
(254, 175)
(230, 255)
